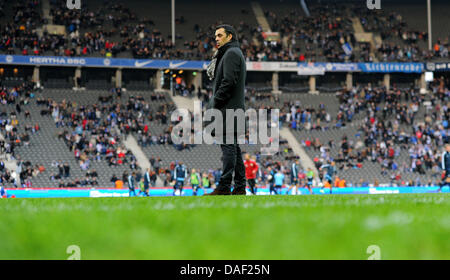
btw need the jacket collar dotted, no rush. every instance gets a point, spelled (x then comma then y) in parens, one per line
(228, 45)
(221, 51)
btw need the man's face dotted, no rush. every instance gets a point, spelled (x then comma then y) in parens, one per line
(222, 38)
(447, 147)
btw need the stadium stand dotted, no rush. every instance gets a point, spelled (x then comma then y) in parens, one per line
(392, 136)
(142, 30)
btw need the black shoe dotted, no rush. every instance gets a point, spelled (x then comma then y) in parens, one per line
(239, 191)
(219, 192)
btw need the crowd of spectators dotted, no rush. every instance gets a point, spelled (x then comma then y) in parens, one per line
(390, 130)
(319, 37)
(392, 126)
(114, 30)
(400, 43)
(94, 132)
(89, 131)
(14, 102)
(389, 125)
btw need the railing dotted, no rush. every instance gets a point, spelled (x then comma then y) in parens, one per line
(294, 89)
(329, 89)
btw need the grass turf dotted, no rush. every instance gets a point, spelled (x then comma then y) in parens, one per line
(408, 226)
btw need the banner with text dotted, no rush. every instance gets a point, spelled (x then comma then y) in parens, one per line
(441, 66)
(302, 68)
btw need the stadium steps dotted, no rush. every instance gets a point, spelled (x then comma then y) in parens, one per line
(10, 162)
(143, 161)
(46, 11)
(260, 17)
(184, 102)
(365, 37)
(305, 160)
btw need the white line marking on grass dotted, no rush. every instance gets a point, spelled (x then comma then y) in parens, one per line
(396, 218)
(158, 204)
(445, 223)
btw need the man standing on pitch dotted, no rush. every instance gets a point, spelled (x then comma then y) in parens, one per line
(132, 184)
(228, 72)
(294, 176)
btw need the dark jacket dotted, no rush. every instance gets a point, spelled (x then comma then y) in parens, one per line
(229, 82)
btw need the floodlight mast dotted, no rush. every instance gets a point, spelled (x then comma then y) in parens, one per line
(173, 22)
(429, 24)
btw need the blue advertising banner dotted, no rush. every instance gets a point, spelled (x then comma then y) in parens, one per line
(390, 67)
(27, 193)
(201, 65)
(103, 62)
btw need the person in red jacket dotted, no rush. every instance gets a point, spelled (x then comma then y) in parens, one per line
(251, 168)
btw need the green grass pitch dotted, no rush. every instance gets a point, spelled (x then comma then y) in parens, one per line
(407, 226)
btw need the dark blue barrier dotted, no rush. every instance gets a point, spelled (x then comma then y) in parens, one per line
(95, 192)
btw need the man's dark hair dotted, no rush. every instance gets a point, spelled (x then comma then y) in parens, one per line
(229, 30)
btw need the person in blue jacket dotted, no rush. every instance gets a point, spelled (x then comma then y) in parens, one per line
(180, 176)
(132, 184)
(279, 180)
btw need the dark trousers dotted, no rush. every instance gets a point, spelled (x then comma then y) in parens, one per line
(131, 191)
(178, 185)
(252, 184)
(272, 189)
(444, 180)
(232, 162)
